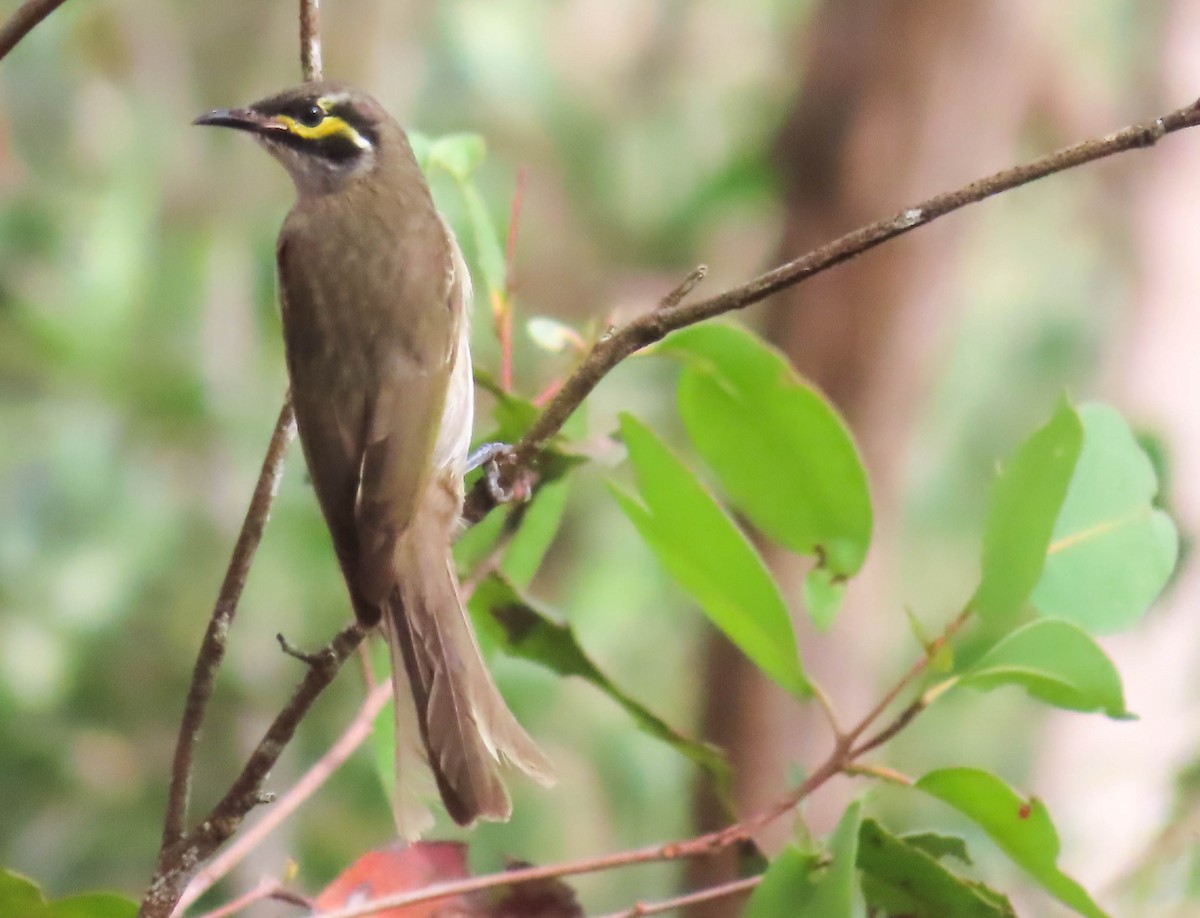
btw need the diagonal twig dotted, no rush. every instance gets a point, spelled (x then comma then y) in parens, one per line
(352, 737)
(656, 324)
(212, 649)
(19, 24)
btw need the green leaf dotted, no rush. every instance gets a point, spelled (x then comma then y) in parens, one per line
(1025, 502)
(526, 632)
(20, 896)
(823, 593)
(489, 251)
(1022, 828)
(512, 414)
(902, 878)
(800, 885)
(540, 519)
(1112, 550)
(939, 846)
(476, 543)
(1055, 662)
(93, 905)
(458, 154)
(778, 447)
(699, 545)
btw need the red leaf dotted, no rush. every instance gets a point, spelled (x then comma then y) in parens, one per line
(400, 868)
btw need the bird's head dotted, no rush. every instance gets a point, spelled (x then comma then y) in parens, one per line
(325, 134)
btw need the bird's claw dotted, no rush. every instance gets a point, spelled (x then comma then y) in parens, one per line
(492, 456)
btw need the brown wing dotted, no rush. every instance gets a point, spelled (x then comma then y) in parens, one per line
(330, 427)
(403, 418)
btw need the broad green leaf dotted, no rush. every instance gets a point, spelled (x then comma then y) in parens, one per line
(785, 886)
(20, 896)
(1025, 502)
(823, 594)
(539, 522)
(1055, 662)
(799, 885)
(1022, 828)
(901, 878)
(489, 250)
(459, 154)
(776, 444)
(477, 542)
(709, 557)
(939, 846)
(526, 632)
(93, 905)
(1112, 550)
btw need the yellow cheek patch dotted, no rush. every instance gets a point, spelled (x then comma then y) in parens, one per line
(330, 126)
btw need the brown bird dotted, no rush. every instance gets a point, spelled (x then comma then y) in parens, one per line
(375, 297)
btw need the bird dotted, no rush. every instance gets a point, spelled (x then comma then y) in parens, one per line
(374, 301)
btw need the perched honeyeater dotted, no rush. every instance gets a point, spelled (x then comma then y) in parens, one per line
(374, 297)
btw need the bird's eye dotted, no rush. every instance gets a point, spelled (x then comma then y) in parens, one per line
(311, 115)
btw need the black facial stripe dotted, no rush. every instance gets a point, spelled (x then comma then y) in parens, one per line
(335, 148)
(355, 119)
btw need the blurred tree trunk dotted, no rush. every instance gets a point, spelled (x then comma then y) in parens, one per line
(898, 101)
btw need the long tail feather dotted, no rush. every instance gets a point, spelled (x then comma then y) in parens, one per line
(467, 728)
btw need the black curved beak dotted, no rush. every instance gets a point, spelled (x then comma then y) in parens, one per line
(242, 119)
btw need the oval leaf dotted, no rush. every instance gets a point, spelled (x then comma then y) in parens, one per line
(459, 154)
(94, 905)
(1025, 502)
(527, 632)
(778, 447)
(19, 895)
(801, 885)
(709, 557)
(901, 877)
(1022, 828)
(1112, 551)
(1057, 663)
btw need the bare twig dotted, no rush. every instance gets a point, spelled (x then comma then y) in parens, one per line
(267, 888)
(656, 324)
(675, 297)
(179, 862)
(212, 649)
(841, 760)
(722, 891)
(353, 737)
(310, 40)
(19, 24)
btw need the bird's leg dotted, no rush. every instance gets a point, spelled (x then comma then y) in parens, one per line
(491, 456)
(487, 452)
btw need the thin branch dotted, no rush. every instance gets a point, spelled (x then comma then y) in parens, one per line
(841, 760)
(20, 23)
(675, 297)
(656, 324)
(212, 649)
(352, 737)
(178, 863)
(267, 888)
(310, 40)
(712, 893)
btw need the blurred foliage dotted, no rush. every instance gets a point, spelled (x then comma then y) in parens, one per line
(141, 369)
